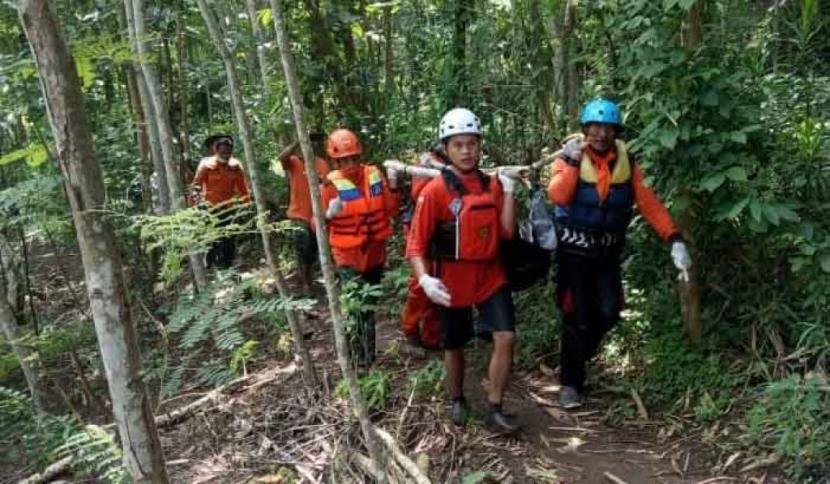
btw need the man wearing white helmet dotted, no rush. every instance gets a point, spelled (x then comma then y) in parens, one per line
(460, 218)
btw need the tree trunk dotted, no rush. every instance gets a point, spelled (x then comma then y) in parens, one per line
(143, 140)
(388, 54)
(135, 20)
(690, 292)
(256, 30)
(184, 128)
(571, 87)
(243, 124)
(105, 283)
(332, 292)
(13, 334)
(459, 87)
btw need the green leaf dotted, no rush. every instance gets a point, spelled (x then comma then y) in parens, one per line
(686, 4)
(35, 155)
(265, 17)
(476, 477)
(755, 210)
(86, 71)
(732, 211)
(825, 263)
(772, 214)
(712, 182)
(709, 98)
(788, 214)
(736, 173)
(738, 137)
(668, 138)
(668, 5)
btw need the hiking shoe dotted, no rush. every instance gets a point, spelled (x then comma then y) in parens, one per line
(460, 412)
(569, 398)
(502, 423)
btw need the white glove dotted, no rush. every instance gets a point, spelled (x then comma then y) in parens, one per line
(435, 290)
(335, 207)
(392, 176)
(572, 151)
(682, 260)
(508, 184)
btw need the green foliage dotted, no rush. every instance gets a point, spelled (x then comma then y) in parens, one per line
(34, 154)
(241, 356)
(428, 381)
(46, 438)
(536, 324)
(209, 325)
(376, 388)
(51, 345)
(792, 417)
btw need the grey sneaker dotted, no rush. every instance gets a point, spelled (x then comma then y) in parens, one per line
(460, 412)
(569, 398)
(501, 423)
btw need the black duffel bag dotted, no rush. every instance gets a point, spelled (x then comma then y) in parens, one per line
(524, 263)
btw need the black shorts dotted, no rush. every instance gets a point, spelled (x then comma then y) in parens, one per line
(305, 243)
(494, 314)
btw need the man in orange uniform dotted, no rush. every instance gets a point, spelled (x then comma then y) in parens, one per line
(595, 185)
(419, 320)
(299, 208)
(359, 207)
(460, 219)
(221, 182)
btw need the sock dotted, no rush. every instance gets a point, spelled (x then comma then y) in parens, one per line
(495, 407)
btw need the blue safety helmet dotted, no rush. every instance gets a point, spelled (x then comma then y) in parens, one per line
(601, 111)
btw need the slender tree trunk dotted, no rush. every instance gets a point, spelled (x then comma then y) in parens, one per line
(571, 88)
(135, 19)
(143, 141)
(13, 334)
(388, 54)
(244, 127)
(184, 102)
(460, 87)
(690, 292)
(259, 39)
(357, 400)
(106, 289)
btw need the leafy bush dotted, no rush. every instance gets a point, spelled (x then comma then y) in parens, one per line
(792, 417)
(376, 389)
(428, 381)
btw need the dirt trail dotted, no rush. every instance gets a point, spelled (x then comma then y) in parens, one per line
(239, 440)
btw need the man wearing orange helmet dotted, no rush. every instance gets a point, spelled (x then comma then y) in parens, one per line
(359, 204)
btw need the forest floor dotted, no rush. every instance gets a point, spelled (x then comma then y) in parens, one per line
(261, 428)
(265, 431)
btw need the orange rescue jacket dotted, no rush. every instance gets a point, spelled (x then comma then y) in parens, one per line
(363, 219)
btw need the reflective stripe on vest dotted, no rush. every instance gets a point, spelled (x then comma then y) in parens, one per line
(363, 219)
(587, 212)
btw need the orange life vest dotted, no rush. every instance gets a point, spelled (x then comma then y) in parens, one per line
(474, 234)
(363, 218)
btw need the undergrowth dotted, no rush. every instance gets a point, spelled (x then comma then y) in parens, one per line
(43, 439)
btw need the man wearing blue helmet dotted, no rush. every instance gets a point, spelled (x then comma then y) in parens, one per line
(595, 185)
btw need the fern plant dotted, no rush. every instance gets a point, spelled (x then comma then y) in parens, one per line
(46, 438)
(209, 322)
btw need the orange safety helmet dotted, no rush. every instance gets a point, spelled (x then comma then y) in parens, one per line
(343, 143)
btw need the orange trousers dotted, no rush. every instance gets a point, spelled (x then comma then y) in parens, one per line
(420, 317)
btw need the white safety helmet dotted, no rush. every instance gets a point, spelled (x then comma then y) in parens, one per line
(458, 121)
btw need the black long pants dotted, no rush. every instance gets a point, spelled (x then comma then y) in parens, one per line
(360, 330)
(590, 297)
